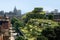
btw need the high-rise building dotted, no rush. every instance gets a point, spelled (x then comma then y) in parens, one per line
(17, 13)
(15, 10)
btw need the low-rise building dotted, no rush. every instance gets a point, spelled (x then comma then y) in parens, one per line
(4, 28)
(56, 15)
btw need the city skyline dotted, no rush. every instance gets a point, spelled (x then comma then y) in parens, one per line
(28, 5)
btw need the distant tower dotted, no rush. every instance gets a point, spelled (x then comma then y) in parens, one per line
(17, 13)
(15, 10)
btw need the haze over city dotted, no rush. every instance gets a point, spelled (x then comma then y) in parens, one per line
(28, 5)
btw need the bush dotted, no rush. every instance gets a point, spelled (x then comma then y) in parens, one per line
(19, 38)
(41, 38)
(49, 33)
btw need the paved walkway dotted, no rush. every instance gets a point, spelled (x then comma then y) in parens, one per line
(12, 33)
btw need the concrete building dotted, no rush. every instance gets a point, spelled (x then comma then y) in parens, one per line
(1, 13)
(11, 14)
(4, 28)
(56, 15)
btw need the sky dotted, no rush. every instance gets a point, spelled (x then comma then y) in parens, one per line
(29, 5)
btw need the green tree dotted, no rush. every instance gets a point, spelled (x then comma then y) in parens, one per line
(57, 32)
(19, 38)
(42, 38)
(50, 16)
(37, 9)
(37, 13)
(49, 33)
(16, 22)
(13, 20)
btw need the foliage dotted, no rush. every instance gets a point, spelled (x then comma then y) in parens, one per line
(34, 16)
(37, 24)
(19, 38)
(45, 22)
(50, 16)
(33, 28)
(16, 22)
(42, 38)
(57, 32)
(37, 13)
(52, 34)
(13, 20)
(49, 33)
(37, 9)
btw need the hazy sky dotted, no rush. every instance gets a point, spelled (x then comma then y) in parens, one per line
(29, 5)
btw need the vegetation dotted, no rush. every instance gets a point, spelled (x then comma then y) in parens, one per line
(41, 38)
(16, 22)
(36, 26)
(50, 17)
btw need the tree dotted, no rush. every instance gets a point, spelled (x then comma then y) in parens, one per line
(37, 9)
(37, 13)
(13, 20)
(49, 33)
(19, 38)
(16, 22)
(42, 38)
(50, 16)
(57, 32)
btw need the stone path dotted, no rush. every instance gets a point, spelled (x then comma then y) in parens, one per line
(12, 33)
